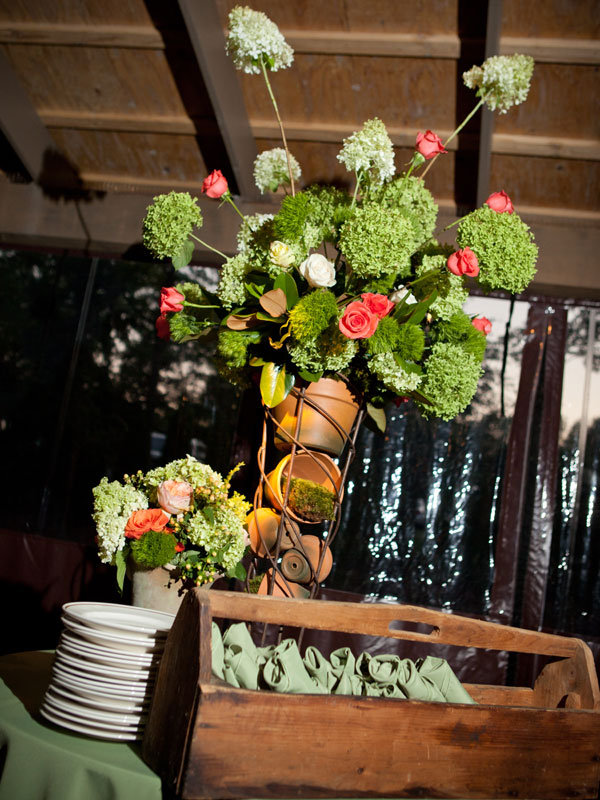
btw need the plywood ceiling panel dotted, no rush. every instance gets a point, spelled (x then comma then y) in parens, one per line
(578, 19)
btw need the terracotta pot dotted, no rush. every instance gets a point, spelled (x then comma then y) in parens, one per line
(262, 525)
(280, 589)
(316, 431)
(316, 467)
(312, 547)
(156, 588)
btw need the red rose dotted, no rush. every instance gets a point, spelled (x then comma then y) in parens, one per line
(170, 300)
(482, 324)
(429, 144)
(140, 522)
(500, 202)
(163, 331)
(215, 185)
(464, 262)
(358, 321)
(179, 547)
(378, 304)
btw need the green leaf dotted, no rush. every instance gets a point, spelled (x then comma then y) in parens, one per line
(121, 565)
(378, 416)
(239, 572)
(310, 376)
(268, 318)
(286, 282)
(408, 366)
(257, 361)
(183, 258)
(209, 514)
(275, 384)
(419, 310)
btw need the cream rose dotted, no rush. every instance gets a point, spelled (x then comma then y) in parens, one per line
(317, 271)
(281, 254)
(401, 294)
(175, 497)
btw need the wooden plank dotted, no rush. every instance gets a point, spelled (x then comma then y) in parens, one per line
(114, 121)
(20, 123)
(208, 42)
(315, 746)
(81, 35)
(554, 51)
(405, 45)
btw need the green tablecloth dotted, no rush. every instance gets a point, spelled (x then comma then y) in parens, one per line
(44, 762)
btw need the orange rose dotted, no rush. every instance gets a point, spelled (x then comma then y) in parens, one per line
(140, 522)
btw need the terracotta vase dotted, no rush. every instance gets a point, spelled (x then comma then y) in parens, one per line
(316, 431)
(316, 467)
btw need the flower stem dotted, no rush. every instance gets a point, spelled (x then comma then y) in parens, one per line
(454, 133)
(228, 198)
(275, 106)
(210, 247)
(356, 189)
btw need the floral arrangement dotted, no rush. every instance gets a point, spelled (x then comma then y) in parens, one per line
(352, 285)
(181, 514)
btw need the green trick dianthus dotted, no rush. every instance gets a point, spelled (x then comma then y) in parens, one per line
(168, 223)
(450, 380)
(312, 314)
(459, 329)
(153, 549)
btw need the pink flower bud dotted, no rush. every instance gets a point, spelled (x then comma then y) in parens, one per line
(500, 202)
(429, 144)
(215, 185)
(464, 262)
(482, 324)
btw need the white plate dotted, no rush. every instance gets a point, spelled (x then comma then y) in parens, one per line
(131, 644)
(137, 687)
(88, 700)
(108, 655)
(89, 668)
(98, 733)
(105, 718)
(115, 618)
(101, 689)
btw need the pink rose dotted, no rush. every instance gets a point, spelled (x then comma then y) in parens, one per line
(163, 331)
(358, 321)
(464, 262)
(378, 304)
(482, 324)
(149, 519)
(170, 300)
(429, 144)
(215, 184)
(175, 496)
(500, 202)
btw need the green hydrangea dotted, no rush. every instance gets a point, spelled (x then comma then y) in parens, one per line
(393, 376)
(222, 538)
(231, 291)
(153, 549)
(369, 151)
(253, 37)
(331, 351)
(233, 346)
(271, 170)
(459, 329)
(502, 80)
(328, 208)
(504, 246)
(452, 293)
(254, 241)
(168, 223)
(312, 314)
(412, 196)
(377, 241)
(450, 381)
(113, 505)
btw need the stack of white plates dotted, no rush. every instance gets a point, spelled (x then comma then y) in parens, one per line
(105, 669)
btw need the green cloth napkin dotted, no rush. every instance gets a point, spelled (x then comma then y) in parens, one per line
(416, 686)
(319, 668)
(439, 671)
(284, 671)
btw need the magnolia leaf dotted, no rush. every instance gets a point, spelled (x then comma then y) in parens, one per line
(268, 318)
(183, 258)
(257, 361)
(274, 302)
(287, 284)
(238, 572)
(378, 416)
(275, 384)
(312, 377)
(237, 322)
(121, 565)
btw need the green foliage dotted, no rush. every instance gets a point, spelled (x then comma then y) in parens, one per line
(312, 314)
(385, 338)
(504, 246)
(328, 208)
(377, 241)
(153, 549)
(232, 346)
(168, 223)
(310, 500)
(331, 351)
(411, 341)
(288, 225)
(460, 330)
(185, 326)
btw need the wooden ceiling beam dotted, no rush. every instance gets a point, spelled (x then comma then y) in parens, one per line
(206, 35)
(486, 132)
(81, 35)
(20, 123)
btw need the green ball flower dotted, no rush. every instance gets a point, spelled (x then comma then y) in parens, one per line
(153, 549)
(460, 330)
(331, 351)
(450, 381)
(231, 291)
(168, 223)
(393, 376)
(312, 314)
(412, 196)
(378, 241)
(504, 246)
(232, 346)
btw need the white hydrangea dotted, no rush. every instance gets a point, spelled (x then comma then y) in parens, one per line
(503, 81)
(271, 169)
(251, 224)
(369, 150)
(113, 505)
(231, 290)
(398, 380)
(253, 36)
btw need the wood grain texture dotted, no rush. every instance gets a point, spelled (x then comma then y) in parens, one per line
(577, 19)
(91, 12)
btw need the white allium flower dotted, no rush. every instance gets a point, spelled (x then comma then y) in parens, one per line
(369, 150)
(317, 271)
(253, 36)
(271, 169)
(502, 80)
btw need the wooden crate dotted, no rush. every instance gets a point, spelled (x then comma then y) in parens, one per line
(209, 740)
